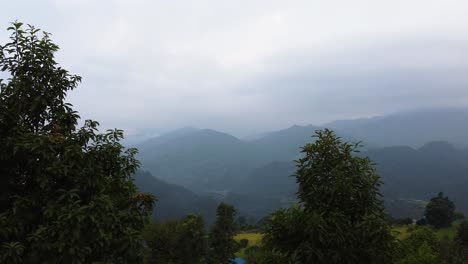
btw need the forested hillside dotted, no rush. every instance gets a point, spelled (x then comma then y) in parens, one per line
(208, 160)
(264, 182)
(175, 202)
(412, 128)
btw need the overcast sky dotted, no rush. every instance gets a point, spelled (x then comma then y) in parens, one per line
(249, 66)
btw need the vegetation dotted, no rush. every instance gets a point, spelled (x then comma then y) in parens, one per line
(409, 174)
(66, 195)
(176, 241)
(462, 238)
(175, 202)
(253, 243)
(222, 243)
(440, 211)
(341, 218)
(420, 247)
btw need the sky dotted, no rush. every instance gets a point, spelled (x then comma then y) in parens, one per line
(245, 67)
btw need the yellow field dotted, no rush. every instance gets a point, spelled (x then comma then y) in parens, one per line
(254, 240)
(401, 233)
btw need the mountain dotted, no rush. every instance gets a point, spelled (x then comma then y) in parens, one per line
(284, 145)
(254, 173)
(209, 160)
(167, 137)
(419, 174)
(409, 128)
(174, 201)
(410, 177)
(199, 159)
(273, 180)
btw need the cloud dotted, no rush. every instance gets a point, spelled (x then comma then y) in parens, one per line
(249, 66)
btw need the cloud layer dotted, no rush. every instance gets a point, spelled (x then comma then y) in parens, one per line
(250, 66)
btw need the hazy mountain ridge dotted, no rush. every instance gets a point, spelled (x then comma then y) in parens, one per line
(174, 201)
(414, 128)
(207, 160)
(408, 174)
(202, 160)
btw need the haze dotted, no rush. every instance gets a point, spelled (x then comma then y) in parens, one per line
(249, 66)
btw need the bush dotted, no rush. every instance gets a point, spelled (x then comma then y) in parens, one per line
(243, 243)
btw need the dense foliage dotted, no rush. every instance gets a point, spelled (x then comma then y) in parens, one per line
(440, 211)
(175, 202)
(66, 195)
(420, 247)
(462, 238)
(221, 237)
(185, 241)
(177, 241)
(192, 159)
(341, 218)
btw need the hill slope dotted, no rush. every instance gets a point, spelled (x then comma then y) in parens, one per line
(175, 201)
(201, 160)
(409, 128)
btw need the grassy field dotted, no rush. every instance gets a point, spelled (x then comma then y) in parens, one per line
(254, 240)
(450, 232)
(400, 231)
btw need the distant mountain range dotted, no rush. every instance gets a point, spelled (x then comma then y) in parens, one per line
(175, 201)
(258, 168)
(413, 129)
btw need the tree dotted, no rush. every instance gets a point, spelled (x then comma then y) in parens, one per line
(462, 238)
(222, 243)
(440, 211)
(421, 246)
(66, 195)
(340, 218)
(424, 254)
(177, 241)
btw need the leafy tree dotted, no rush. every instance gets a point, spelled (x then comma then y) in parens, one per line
(340, 218)
(222, 243)
(421, 222)
(423, 255)
(177, 241)
(66, 195)
(450, 251)
(462, 233)
(458, 216)
(402, 221)
(243, 243)
(462, 238)
(440, 211)
(421, 246)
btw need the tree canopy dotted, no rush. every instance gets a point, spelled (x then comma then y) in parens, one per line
(440, 211)
(340, 218)
(66, 192)
(177, 241)
(222, 243)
